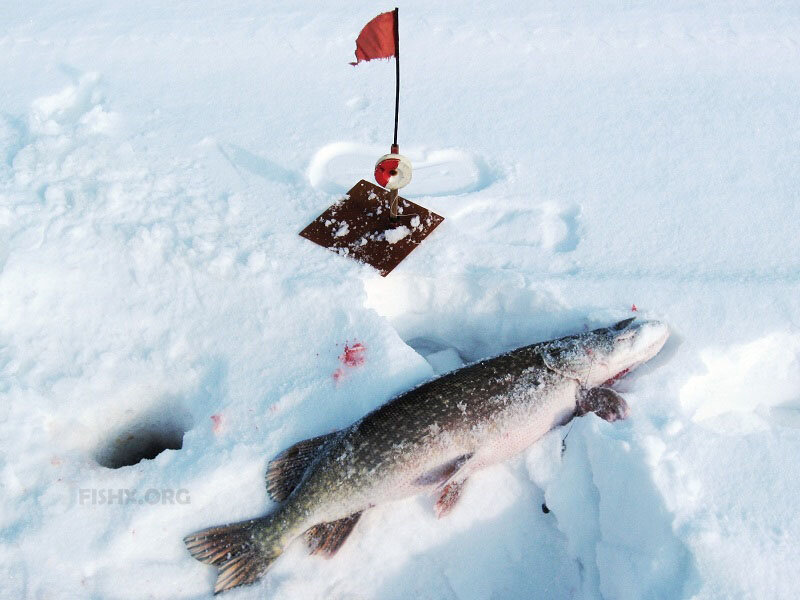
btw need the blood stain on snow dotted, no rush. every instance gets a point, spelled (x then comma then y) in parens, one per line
(217, 420)
(353, 356)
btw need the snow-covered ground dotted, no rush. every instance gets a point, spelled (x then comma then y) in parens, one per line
(157, 160)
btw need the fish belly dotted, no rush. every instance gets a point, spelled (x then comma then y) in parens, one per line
(516, 430)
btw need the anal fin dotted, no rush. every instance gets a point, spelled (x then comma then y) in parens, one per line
(448, 498)
(327, 538)
(286, 470)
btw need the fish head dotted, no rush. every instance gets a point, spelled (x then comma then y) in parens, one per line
(606, 354)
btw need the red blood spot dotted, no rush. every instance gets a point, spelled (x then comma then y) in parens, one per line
(217, 420)
(353, 356)
(633, 308)
(617, 377)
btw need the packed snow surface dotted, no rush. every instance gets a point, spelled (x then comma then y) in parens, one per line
(157, 160)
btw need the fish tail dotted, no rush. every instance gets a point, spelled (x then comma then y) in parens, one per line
(241, 551)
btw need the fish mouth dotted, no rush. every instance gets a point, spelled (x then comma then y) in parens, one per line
(614, 379)
(651, 337)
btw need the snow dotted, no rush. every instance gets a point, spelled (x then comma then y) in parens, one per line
(443, 172)
(343, 230)
(396, 234)
(156, 163)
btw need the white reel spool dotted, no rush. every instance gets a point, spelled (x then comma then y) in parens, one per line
(393, 171)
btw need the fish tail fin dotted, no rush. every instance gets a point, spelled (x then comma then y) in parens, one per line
(237, 550)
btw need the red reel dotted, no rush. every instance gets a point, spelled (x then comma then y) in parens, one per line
(393, 171)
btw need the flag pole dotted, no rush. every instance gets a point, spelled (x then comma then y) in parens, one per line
(395, 147)
(393, 194)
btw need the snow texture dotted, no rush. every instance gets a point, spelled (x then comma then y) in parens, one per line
(398, 233)
(156, 163)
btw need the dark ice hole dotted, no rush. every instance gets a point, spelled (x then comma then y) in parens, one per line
(144, 438)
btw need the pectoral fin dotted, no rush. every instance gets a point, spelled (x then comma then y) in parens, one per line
(443, 472)
(286, 470)
(448, 498)
(604, 402)
(327, 538)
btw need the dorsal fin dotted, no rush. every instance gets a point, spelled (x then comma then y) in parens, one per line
(286, 470)
(327, 538)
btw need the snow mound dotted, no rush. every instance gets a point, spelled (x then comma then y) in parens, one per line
(737, 378)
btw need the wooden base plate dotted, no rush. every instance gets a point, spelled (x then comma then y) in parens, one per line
(358, 226)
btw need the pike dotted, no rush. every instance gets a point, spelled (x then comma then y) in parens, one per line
(429, 439)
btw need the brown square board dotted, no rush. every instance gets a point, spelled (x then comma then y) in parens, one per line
(358, 226)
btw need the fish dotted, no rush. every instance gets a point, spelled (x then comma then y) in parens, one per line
(429, 439)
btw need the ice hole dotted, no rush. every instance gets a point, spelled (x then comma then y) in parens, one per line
(144, 437)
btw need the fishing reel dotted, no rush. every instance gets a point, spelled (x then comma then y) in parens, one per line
(393, 171)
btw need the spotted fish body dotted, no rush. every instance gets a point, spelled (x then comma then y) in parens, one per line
(430, 438)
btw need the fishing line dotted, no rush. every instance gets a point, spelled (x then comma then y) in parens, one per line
(564, 440)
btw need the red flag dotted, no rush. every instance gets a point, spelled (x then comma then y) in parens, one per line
(377, 39)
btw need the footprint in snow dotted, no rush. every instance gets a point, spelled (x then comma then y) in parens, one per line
(335, 168)
(550, 226)
(77, 106)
